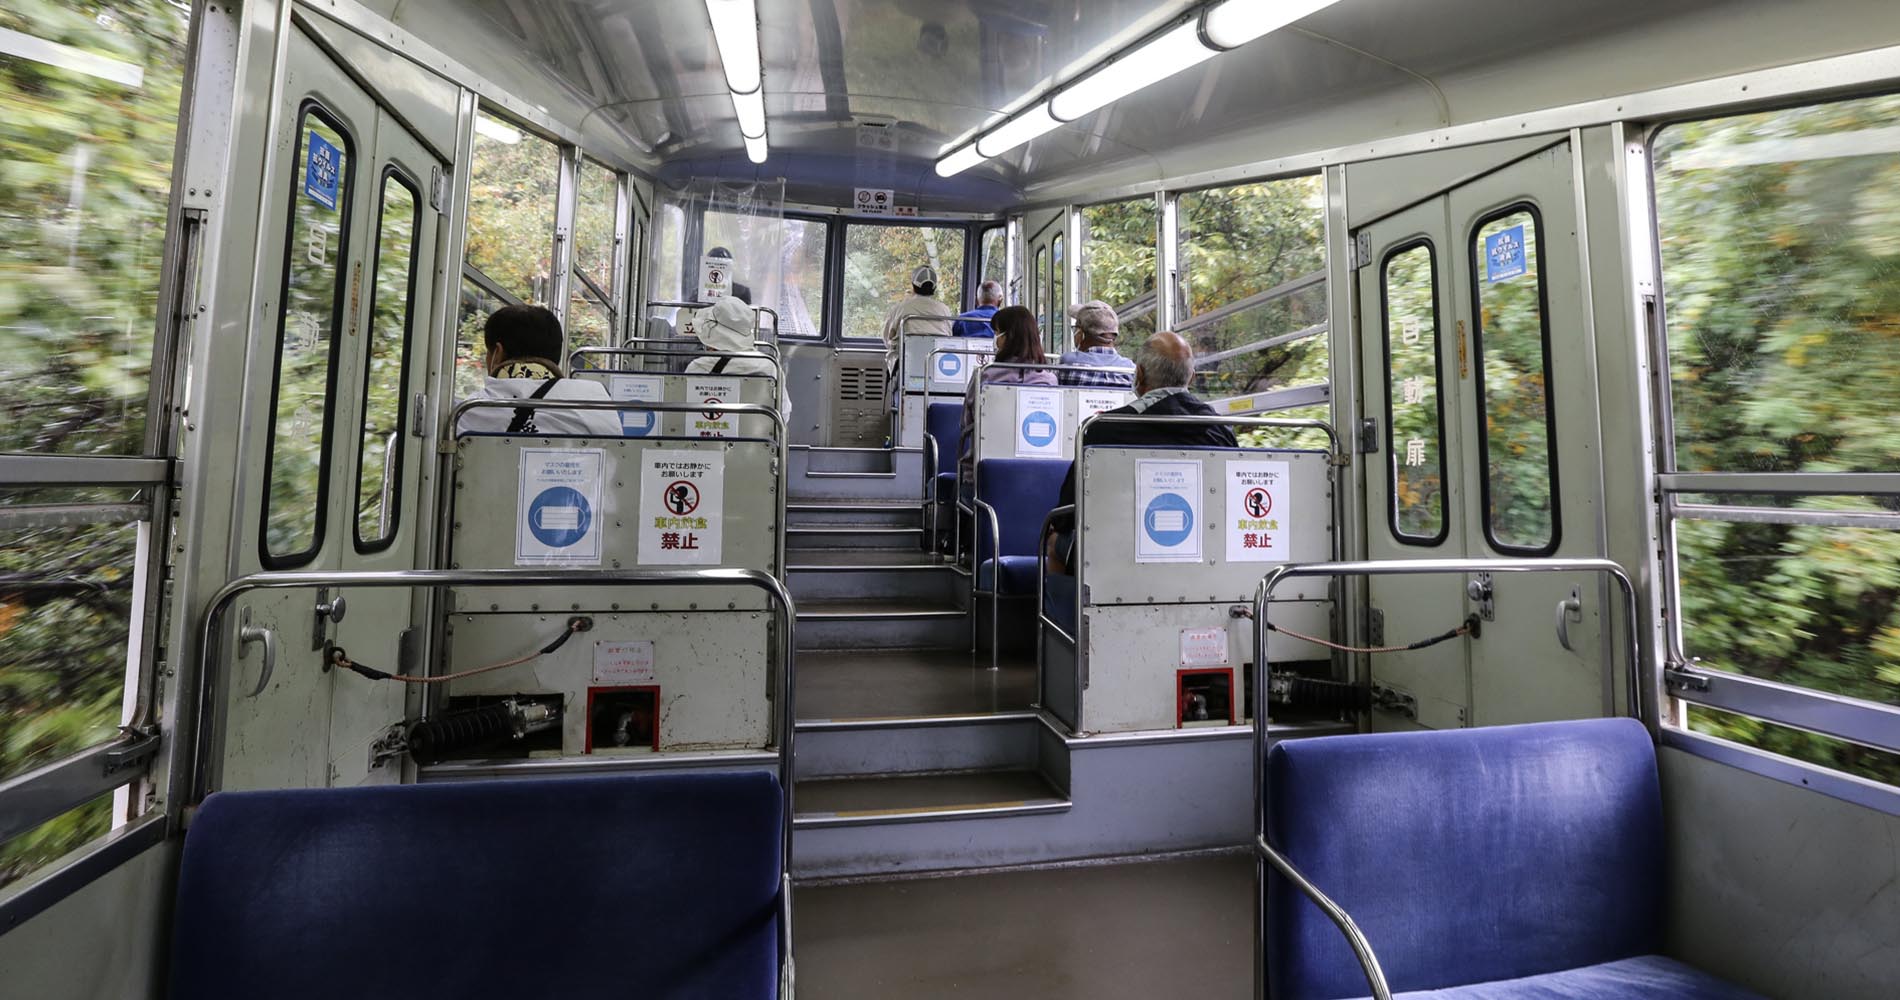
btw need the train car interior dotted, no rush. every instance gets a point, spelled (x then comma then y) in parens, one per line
(1310, 499)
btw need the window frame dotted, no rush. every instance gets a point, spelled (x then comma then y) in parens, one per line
(1552, 462)
(392, 461)
(1438, 396)
(320, 524)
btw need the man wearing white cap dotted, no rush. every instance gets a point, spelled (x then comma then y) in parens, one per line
(922, 301)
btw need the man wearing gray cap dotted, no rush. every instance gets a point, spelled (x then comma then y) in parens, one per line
(922, 301)
(1096, 327)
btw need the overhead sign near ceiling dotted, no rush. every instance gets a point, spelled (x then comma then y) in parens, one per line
(873, 201)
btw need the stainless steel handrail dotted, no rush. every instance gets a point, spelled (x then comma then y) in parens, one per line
(894, 364)
(771, 358)
(1263, 596)
(1356, 938)
(1081, 439)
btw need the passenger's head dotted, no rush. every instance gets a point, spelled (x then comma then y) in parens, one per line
(522, 333)
(727, 325)
(1096, 324)
(1166, 362)
(989, 293)
(1018, 338)
(923, 281)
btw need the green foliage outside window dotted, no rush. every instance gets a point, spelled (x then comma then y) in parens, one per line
(878, 261)
(1118, 253)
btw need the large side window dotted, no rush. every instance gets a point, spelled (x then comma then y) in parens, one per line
(392, 301)
(591, 313)
(1512, 344)
(512, 199)
(1253, 285)
(1414, 410)
(309, 323)
(1777, 231)
(1119, 262)
(878, 261)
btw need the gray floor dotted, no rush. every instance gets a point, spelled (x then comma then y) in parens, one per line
(879, 684)
(1152, 930)
(905, 792)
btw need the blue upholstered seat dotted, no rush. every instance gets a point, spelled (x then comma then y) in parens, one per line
(1514, 861)
(944, 423)
(656, 885)
(1023, 491)
(1058, 602)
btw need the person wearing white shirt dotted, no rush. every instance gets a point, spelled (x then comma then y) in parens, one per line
(523, 345)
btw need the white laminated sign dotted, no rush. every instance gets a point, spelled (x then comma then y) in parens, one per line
(1090, 402)
(1167, 511)
(682, 507)
(715, 278)
(557, 510)
(949, 367)
(638, 389)
(1259, 511)
(712, 389)
(1038, 423)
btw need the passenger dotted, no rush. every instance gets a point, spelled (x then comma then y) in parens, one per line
(1096, 327)
(727, 328)
(1161, 378)
(522, 343)
(1018, 342)
(920, 302)
(989, 298)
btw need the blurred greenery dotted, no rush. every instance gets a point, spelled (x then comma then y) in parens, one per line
(1778, 252)
(85, 181)
(1118, 240)
(512, 198)
(1416, 451)
(1510, 339)
(388, 334)
(878, 261)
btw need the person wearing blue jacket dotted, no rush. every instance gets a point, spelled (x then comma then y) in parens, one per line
(989, 298)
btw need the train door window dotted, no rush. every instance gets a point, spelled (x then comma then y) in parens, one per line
(591, 311)
(1253, 265)
(1056, 331)
(993, 262)
(1512, 343)
(636, 238)
(1119, 264)
(1039, 287)
(297, 466)
(801, 297)
(1414, 411)
(512, 199)
(1776, 231)
(878, 261)
(392, 301)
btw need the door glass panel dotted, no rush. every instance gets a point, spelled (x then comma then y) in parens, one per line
(878, 261)
(392, 298)
(1415, 445)
(1520, 473)
(1118, 252)
(1039, 278)
(307, 330)
(1056, 332)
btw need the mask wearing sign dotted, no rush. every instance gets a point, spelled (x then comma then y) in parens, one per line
(711, 423)
(1259, 511)
(1038, 423)
(950, 371)
(682, 507)
(637, 389)
(557, 511)
(1167, 511)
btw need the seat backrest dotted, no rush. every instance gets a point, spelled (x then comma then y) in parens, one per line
(1023, 491)
(944, 423)
(657, 885)
(1466, 856)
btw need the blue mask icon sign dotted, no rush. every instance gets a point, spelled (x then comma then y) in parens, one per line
(1039, 429)
(949, 365)
(559, 517)
(1504, 254)
(636, 423)
(1169, 519)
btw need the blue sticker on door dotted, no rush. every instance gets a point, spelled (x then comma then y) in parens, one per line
(322, 168)
(1504, 254)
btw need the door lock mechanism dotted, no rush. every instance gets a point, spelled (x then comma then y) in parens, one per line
(1479, 590)
(329, 609)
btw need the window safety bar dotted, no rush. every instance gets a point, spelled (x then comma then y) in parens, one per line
(1202, 361)
(83, 470)
(1263, 597)
(574, 360)
(1237, 306)
(50, 790)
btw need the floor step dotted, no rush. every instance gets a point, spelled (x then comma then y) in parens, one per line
(876, 574)
(853, 537)
(916, 798)
(881, 624)
(855, 475)
(984, 741)
(890, 514)
(844, 685)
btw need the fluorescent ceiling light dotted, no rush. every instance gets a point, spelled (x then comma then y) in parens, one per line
(1028, 124)
(755, 148)
(751, 111)
(735, 25)
(1162, 57)
(1237, 22)
(959, 161)
(495, 130)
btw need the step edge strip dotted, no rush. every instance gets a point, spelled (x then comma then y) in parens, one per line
(931, 814)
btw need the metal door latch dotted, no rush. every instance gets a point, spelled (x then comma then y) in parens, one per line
(328, 610)
(1569, 610)
(1478, 588)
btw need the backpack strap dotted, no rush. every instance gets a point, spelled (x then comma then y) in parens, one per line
(720, 365)
(524, 416)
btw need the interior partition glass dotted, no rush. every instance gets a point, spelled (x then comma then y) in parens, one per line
(1119, 264)
(878, 262)
(1253, 264)
(88, 117)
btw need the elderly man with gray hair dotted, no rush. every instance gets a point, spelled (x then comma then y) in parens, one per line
(1096, 327)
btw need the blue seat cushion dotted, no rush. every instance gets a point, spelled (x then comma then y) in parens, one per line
(1467, 856)
(664, 885)
(946, 487)
(1642, 978)
(1058, 601)
(1023, 491)
(944, 423)
(1019, 575)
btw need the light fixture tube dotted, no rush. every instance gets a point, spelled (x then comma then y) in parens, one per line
(735, 25)
(755, 148)
(1162, 57)
(750, 108)
(959, 161)
(1026, 125)
(1237, 22)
